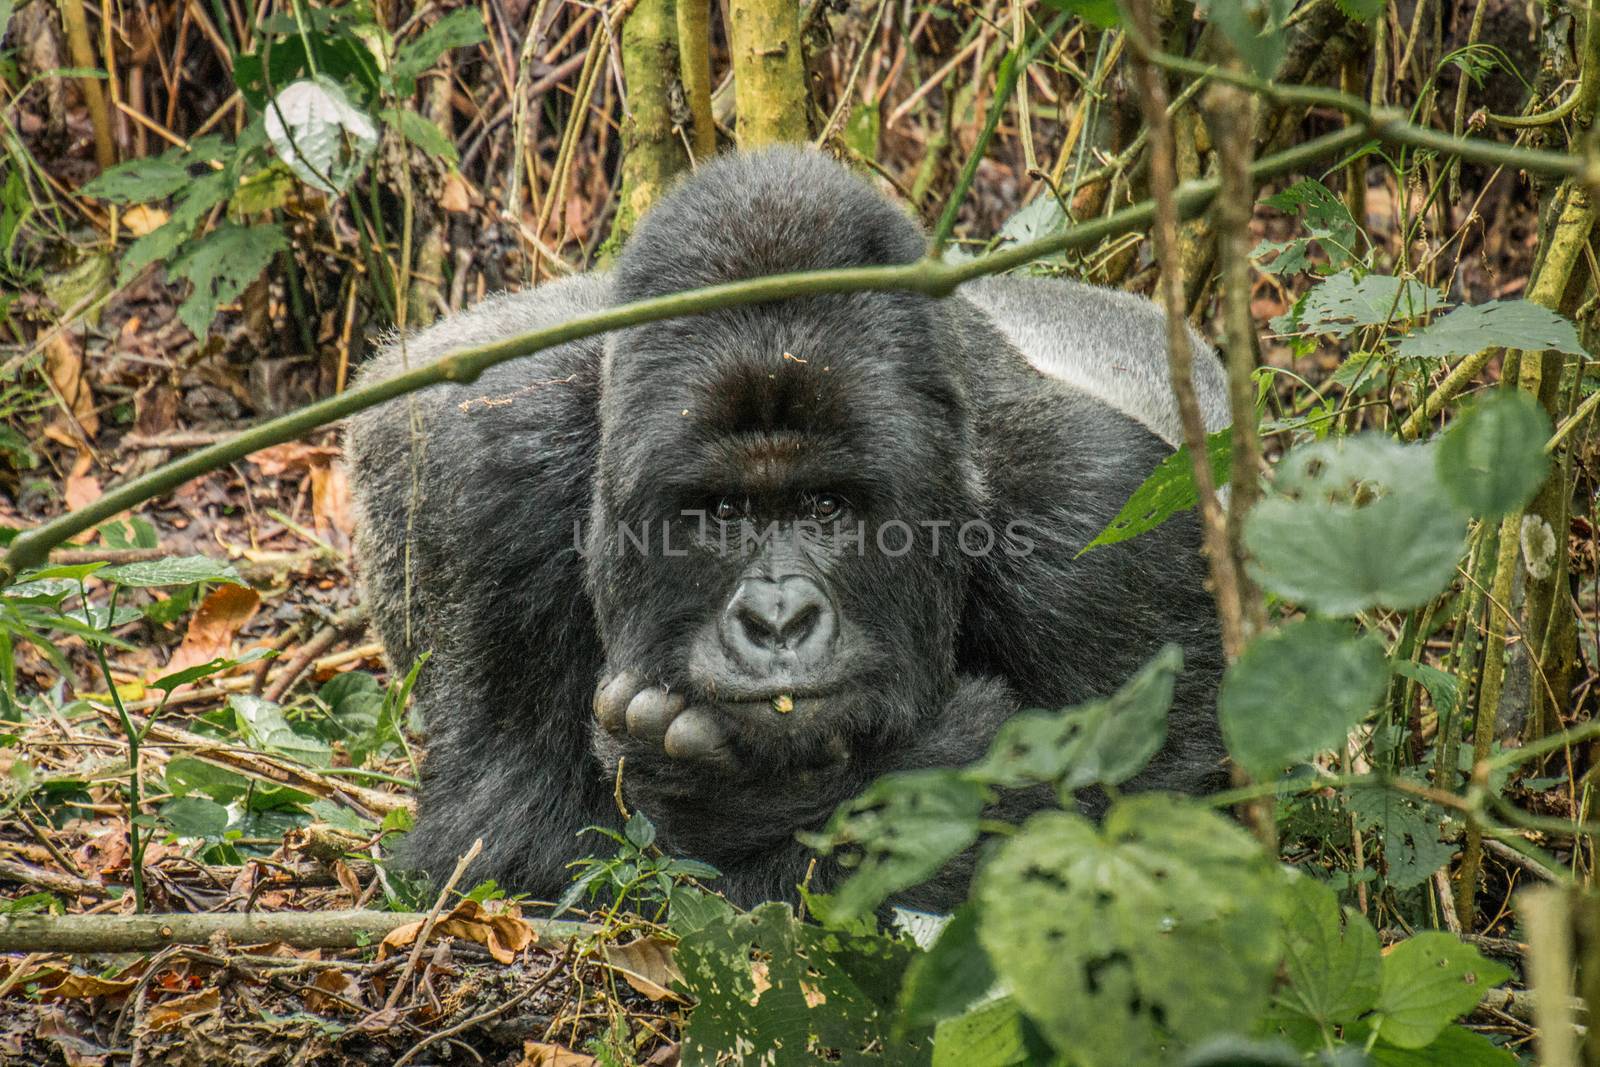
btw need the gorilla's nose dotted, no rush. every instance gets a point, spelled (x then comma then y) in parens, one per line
(786, 615)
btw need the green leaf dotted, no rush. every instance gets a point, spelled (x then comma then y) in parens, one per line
(1297, 690)
(1456, 1046)
(264, 726)
(899, 833)
(456, 30)
(1103, 742)
(1102, 13)
(1359, 522)
(1428, 981)
(324, 138)
(159, 245)
(169, 682)
(175, 570)
(1331, 956)
(994, 1035)
(1255, 29)
(1471, 328)
(139, 180)
(828, 995)
(1340, 304)
(1492, 459)
(1169, 490)
(1409, 828)
(1330, 225)
(1100, 935)
(420, 132)
(1442, 686)
(950, 977)
(861, 129)
(195, 817)
(220, 265)
(1361, 10)
(640, 831)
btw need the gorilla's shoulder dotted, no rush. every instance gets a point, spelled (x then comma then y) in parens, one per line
(1103, 342)
(495, 318)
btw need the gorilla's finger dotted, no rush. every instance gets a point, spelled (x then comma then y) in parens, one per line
(651, 712)
(611, 700)
(696, 735)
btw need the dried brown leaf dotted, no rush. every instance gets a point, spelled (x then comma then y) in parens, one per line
(221, 615)
(649, 965)
(503, 933)
(182, 1011)
(540, 1054)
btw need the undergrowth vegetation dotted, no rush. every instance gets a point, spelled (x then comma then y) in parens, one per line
(1404, 555)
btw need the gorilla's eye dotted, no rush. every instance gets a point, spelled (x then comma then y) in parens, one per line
(827, 506)
(726, 509)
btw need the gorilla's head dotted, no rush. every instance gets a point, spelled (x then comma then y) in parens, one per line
(772, 530)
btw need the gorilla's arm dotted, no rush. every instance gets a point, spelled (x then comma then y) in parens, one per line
(466, 542)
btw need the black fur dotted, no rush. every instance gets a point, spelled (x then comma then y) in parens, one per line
(909, 408)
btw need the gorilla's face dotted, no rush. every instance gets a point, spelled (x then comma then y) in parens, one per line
(772, 537)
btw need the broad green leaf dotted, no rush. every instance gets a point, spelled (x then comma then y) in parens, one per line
(1359, 522)
(1296, 691)
(993, 1035)
(133, 532)
(169, 682)
(899, 833)
(1492, 459)
(1169, 490)
(319, 134)
(264, 726)
(1329, 225)
(420, 132)
(1254, 28)
(139, 180)
(1340, 304)
(456, 30)
(161, 244)
(1442, 686)
(950, 977)
(861, 129)
(175, 570)
(1361, 10)
(1331, 956)
(1455, 1047)
(1103, 13)
(1039, 219)
(1127, 943)
(1232, 1050)
(221, 264)
(1103, 742)
(1429, 980)
(1409, 829)
(1471, 328)
(826, 995)
(195, 817)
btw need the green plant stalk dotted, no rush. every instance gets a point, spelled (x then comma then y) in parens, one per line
(1391, 126)
(1011, 68)
(769, 74)
(131, 733)
(694, 66)
(1569, 237)
(652, 150)
(927, 276)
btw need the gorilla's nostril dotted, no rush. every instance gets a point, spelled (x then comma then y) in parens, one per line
(767, 616)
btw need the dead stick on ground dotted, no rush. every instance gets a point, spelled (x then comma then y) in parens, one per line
(146, 933)
(428, 924)
(28, 874)
(342, 625)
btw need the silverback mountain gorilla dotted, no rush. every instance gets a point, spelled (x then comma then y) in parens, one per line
(765, 554)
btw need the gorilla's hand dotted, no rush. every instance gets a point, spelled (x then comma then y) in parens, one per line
(657, 720)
